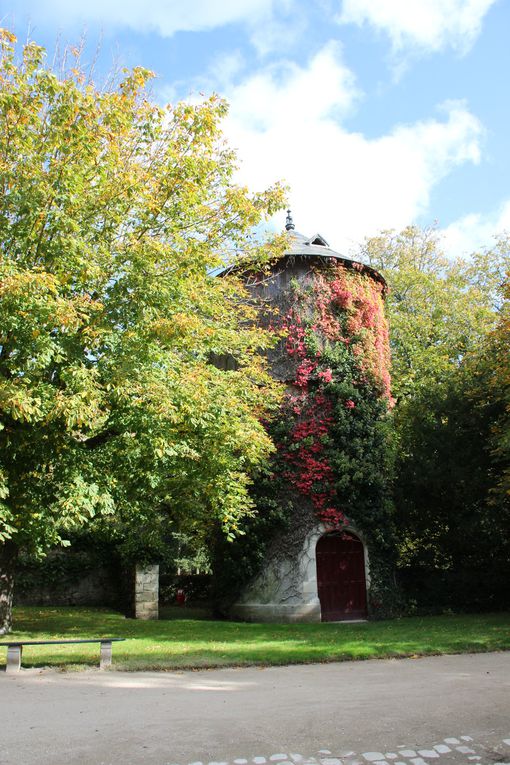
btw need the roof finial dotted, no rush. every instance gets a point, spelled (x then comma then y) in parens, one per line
(289, 223)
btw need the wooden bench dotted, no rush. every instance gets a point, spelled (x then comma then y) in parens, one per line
(15, 650)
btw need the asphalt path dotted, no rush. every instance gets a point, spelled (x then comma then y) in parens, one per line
(427, 711)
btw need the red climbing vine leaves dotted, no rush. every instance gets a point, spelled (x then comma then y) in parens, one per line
(335, 307)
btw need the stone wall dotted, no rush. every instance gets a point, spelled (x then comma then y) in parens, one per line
(74, 578)
(68, 578)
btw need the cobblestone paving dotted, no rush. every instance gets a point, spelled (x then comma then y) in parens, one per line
(461, 750)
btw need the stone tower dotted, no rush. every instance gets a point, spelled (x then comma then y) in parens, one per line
(329, 555)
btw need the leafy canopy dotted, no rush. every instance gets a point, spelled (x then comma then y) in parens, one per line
(438, 309)
(496, 358)
(449, 340)
(113, 211)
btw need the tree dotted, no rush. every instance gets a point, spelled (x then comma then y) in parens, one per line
(442, 313)
(113, 212)
(438, 308)
(453, 532)
(497, 366)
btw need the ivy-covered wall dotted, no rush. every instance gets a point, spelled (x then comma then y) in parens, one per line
(332, 467)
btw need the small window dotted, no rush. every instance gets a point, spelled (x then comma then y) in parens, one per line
(318, 240)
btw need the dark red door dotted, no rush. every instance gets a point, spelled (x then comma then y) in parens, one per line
(341, 577)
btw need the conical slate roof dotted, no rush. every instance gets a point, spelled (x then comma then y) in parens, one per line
(301, 246)
(316, 246)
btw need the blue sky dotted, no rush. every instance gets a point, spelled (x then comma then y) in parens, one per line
(377, 113)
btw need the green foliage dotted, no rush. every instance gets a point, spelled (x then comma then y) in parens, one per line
(361, 452)
(496, 359)
(236, 563)
(453, 522)
(438, 309)
(190, 558)
(447, 521)
(112, 213)
(55, 570)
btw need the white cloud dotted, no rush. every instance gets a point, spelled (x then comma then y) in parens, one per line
(475, 231)
(421, 24)
(163, 16)
(281, 93)
(283, 31)
(226, 67)
(287, 123)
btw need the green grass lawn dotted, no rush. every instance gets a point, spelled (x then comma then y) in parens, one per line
(179, 642)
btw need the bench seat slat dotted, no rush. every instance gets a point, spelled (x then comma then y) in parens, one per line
(60, 642)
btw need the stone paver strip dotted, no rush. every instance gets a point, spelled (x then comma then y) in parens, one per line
(409, 756)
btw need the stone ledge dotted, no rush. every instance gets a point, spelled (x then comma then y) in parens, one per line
(276, 612)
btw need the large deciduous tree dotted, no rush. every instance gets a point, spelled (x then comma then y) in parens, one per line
(497, 374)
(112, 213)
(438, 308)
(443, 313)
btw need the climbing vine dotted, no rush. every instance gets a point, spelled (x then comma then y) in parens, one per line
(337, 335)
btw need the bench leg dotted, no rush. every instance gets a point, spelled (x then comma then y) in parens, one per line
(106, 655)
(13, 658)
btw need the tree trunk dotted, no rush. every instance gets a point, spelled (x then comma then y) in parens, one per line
(8, 558)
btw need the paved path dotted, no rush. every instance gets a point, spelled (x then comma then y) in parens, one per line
(432, 711)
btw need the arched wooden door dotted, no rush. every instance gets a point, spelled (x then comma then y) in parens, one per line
(341, 577)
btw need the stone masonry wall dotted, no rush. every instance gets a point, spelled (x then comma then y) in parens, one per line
(146, 592)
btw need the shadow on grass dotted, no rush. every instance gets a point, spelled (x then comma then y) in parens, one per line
(192, 643)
